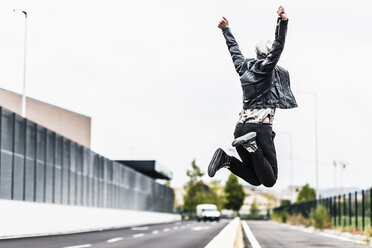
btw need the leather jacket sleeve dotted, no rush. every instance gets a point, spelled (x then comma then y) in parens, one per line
(236, 54)
(278, 45)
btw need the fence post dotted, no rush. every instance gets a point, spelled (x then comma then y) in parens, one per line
(349, 209)
(330, 207)
(335, 210)
(363, 211)
(329, 199)
(356, 209)
(339, 210)
(370, 207)
(344, 203)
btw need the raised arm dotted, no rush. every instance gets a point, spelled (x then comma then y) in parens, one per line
(236, 54)
(278, 45)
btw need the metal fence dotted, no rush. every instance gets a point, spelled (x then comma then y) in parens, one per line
(39, 165)
(352, 210)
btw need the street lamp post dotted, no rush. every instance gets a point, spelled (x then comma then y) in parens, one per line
(291, 154)
(24, 65)
(291, 147)
(316, 136)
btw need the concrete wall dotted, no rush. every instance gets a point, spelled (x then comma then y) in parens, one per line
(73, 126)
(21, 219)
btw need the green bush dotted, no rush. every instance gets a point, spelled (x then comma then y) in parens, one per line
(284, 216)
(321, 217)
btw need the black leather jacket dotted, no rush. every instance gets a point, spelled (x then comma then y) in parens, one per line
(265, 84)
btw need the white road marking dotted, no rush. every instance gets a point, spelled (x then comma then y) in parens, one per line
(138, 235)
(114, 240)
(198, 228)
(155, 232)
(166, 230)
(182, 227)
(252, 239)
(78, 246)
(178, 223)
(140, 228)
(175, 227)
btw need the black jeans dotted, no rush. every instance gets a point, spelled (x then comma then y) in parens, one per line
(261, 166)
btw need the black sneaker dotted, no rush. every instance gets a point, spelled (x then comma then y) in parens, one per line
(220, 159)
(248, 141)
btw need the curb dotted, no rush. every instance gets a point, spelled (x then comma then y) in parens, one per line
(231, 236)
(345, 236)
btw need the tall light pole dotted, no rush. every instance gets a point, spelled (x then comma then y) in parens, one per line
(24, 65)
(316, 135)
(291, 154)
(291, 147)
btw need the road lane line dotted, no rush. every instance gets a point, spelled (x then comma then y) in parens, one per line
(199, 228)
(78, 246)
(114, 240)
(140, 228)
(138, 235)
(155, 232)
(166, 230)
(252, 239)
(175, 227)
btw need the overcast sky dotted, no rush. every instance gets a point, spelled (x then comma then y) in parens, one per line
(158, 81)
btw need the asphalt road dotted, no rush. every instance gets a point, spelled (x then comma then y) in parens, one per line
(185, 234)
(274, 235)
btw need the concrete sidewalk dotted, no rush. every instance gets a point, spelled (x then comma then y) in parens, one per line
(272, 234)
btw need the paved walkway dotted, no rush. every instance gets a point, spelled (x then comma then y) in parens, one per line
(273, 235)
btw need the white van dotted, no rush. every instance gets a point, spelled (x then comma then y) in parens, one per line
(207, 212)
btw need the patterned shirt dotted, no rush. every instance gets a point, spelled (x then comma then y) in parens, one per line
(265, 115)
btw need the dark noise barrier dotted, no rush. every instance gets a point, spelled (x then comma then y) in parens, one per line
(39, 165)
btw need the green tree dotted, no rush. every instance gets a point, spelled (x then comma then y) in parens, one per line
(199, 193)
(234, 193)
(254, 210)
(306, 194)
(215, 195)
(285, 203)
(194, 188)
(195, 194)
(168, 183)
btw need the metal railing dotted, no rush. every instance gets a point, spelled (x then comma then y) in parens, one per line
(352, 210)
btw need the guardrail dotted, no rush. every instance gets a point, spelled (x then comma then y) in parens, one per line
(352, 210)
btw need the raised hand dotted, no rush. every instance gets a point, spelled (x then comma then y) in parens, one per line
(224, 23)
(281, 13)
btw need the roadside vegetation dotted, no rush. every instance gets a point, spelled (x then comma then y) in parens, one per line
(231, 196)
(320, 217)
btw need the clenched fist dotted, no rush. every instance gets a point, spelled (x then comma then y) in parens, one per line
(281, 13)
(224, 23)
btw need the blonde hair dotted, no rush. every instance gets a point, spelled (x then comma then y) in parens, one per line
(263, 48)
